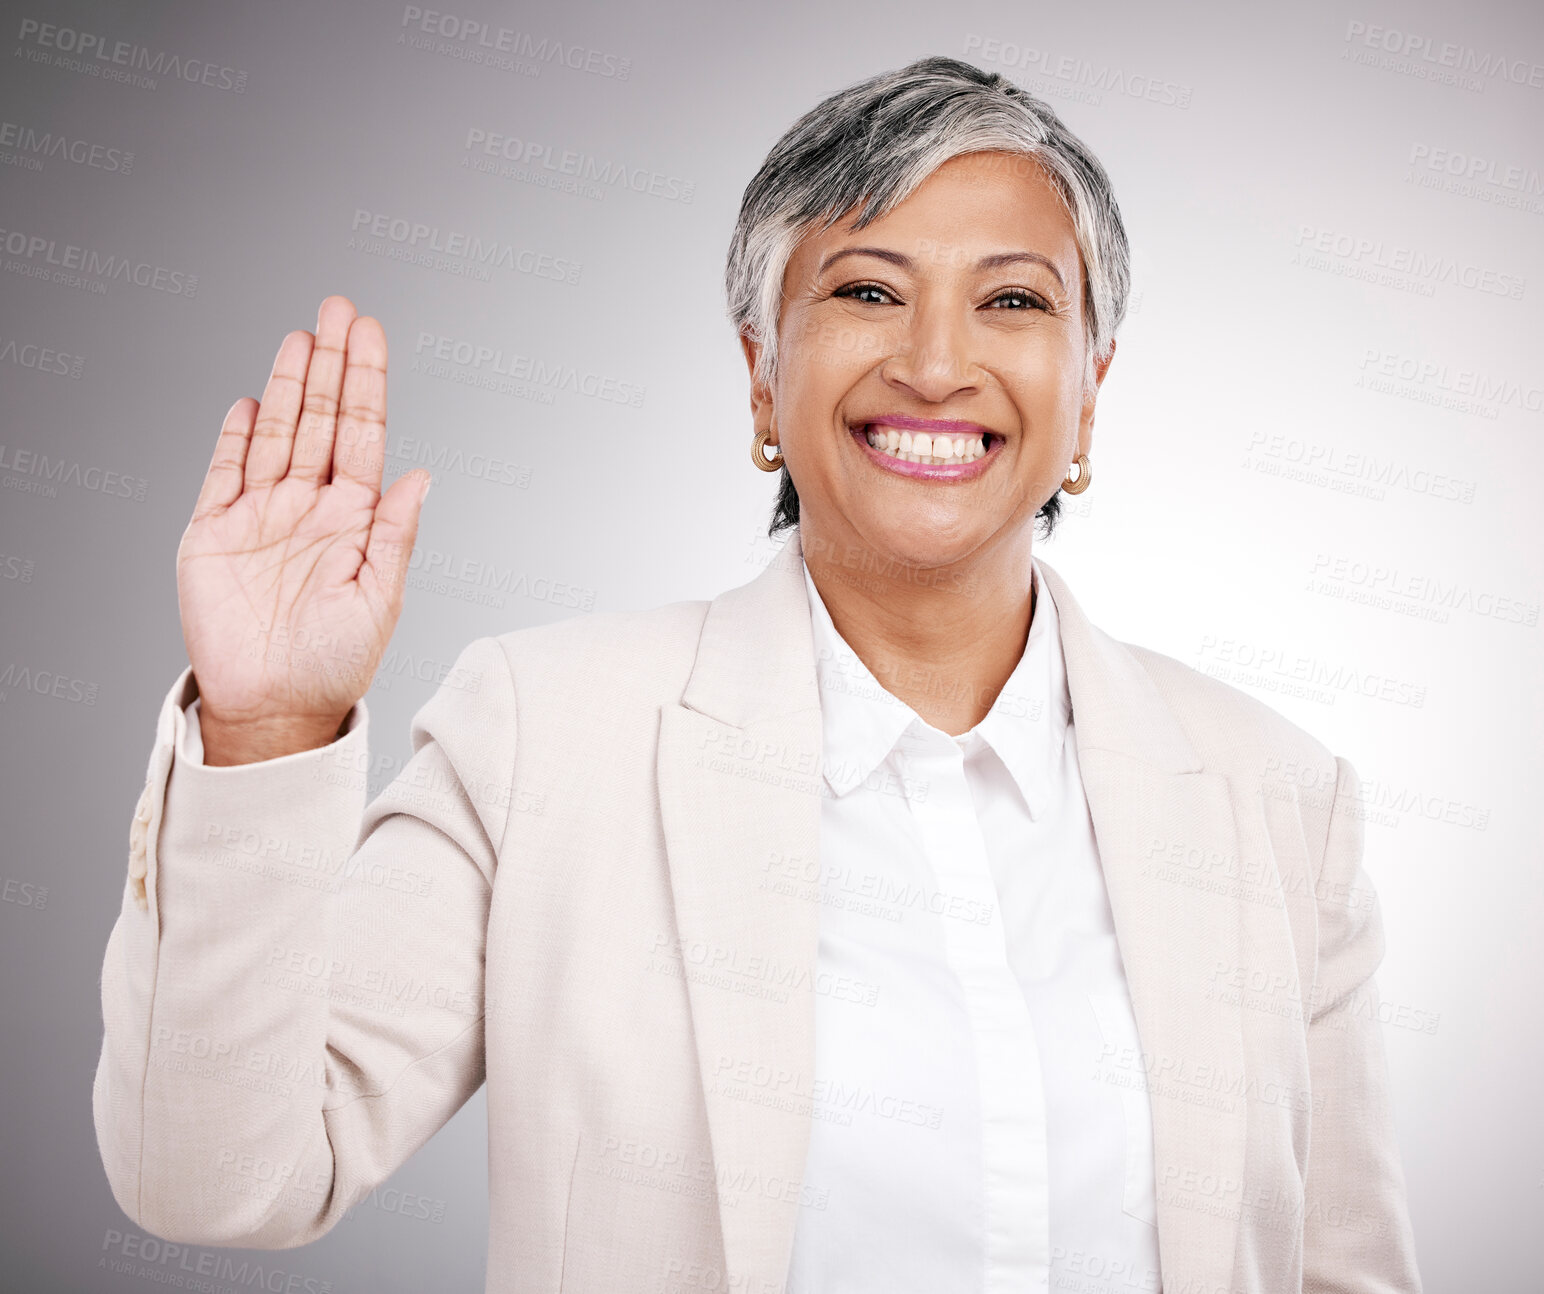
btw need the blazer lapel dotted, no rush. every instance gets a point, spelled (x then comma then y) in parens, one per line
(1155, 813)
(740, 791)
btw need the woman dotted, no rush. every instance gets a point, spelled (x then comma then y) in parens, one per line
(880, 924)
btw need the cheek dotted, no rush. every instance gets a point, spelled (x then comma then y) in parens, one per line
(839, 342)
(830, 352)
(809, 399)
(833, 344)
(1047, 379)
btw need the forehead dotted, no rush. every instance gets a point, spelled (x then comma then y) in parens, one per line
(970, 205)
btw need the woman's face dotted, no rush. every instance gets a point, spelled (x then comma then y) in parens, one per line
(961, 312)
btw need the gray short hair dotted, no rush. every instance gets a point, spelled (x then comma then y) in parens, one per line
(874, 143)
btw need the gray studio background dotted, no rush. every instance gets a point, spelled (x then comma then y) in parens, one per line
(1318, 453)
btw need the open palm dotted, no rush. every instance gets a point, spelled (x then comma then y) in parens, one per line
(290, 575)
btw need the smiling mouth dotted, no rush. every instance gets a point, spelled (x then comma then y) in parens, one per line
(935, 449)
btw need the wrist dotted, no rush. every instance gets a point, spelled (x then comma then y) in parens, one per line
(250, 741)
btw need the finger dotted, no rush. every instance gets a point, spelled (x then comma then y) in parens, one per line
(311, 459)
(274, 431)
(359, 453)
(393, 532)
(223, 481)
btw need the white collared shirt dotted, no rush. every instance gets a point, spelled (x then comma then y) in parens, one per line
(972, 1131)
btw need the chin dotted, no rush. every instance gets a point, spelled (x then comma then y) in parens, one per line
(912, 541)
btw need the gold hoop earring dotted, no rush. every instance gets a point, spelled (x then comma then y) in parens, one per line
(1084, 479)
(759, 451)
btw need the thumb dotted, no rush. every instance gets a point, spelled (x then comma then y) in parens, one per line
(393, 532)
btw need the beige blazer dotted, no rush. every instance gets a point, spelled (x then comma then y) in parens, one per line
(588, 888)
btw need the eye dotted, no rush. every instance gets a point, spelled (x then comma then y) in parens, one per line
(1025, 298)
(852, 290)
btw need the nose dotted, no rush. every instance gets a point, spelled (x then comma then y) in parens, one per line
(934, 359)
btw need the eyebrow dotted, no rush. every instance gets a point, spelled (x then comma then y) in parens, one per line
(906, 263)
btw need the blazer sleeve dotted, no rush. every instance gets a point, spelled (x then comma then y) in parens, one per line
(1357, 1237)
(292, 993)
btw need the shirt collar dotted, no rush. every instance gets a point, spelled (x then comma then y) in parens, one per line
(861, 722)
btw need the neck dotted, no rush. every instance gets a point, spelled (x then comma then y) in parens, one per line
(943, 639)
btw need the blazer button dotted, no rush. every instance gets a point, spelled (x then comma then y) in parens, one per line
(137, 868)
(139, 831)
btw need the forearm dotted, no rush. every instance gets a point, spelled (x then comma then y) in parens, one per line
(297, 1005)
(214, 1048)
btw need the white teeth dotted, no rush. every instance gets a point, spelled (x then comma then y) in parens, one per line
(920, 447)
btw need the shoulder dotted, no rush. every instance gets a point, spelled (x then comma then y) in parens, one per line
(645, 654)
(1267, 757)
(1234, 731)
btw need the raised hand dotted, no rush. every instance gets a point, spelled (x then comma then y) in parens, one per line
(290, 574)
